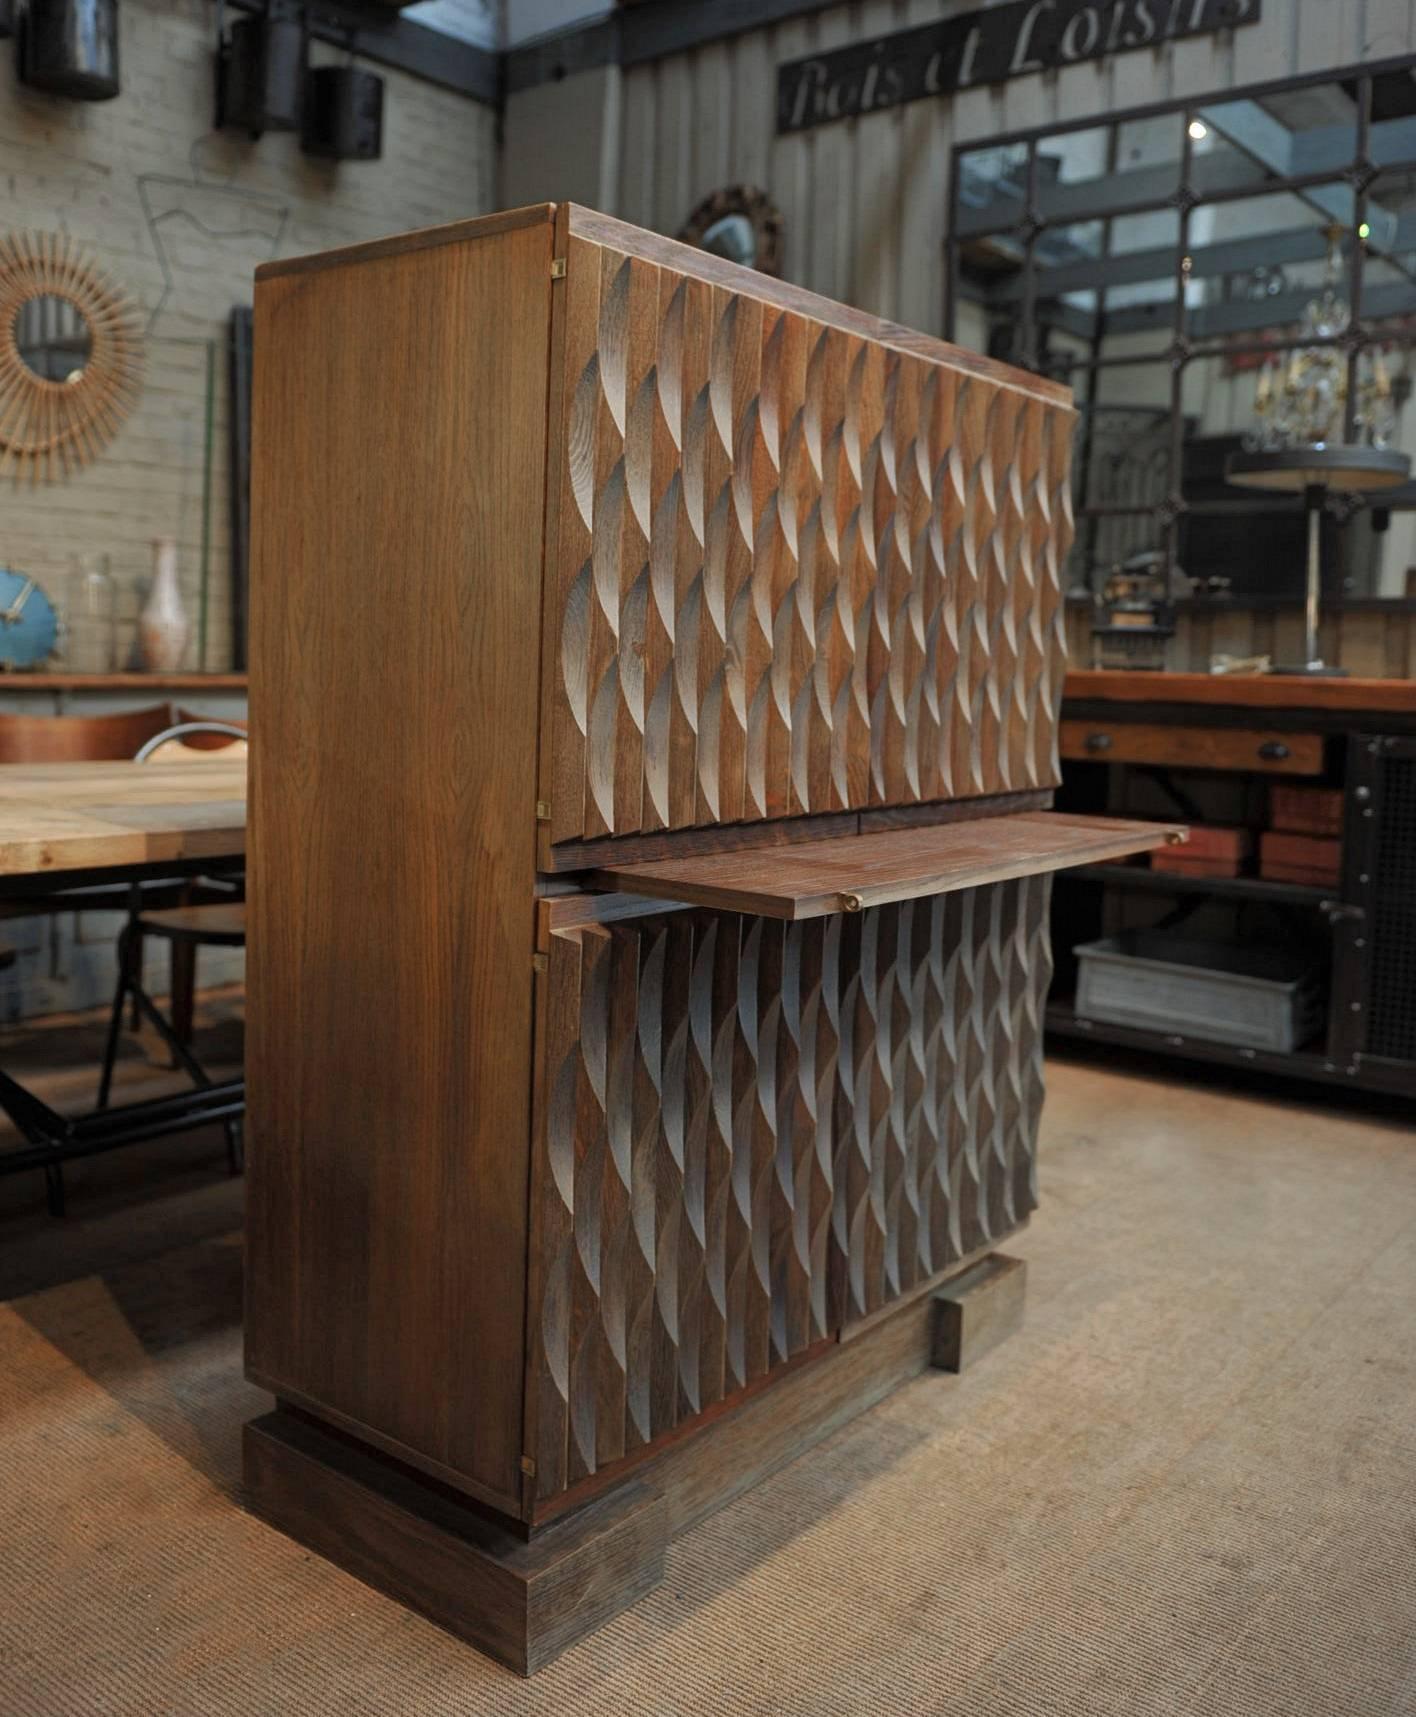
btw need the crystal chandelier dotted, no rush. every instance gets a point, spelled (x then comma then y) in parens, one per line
(1301, 396)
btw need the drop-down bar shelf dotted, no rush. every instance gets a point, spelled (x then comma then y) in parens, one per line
(814, 878)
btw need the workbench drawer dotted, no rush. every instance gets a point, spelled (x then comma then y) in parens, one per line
(1192, 747)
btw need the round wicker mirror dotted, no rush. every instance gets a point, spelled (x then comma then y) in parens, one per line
(70, 356)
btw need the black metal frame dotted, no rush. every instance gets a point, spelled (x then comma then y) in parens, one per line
(130, 988)
(239, 360)
(1368, 756)
(1190, 189)
(52, 1139)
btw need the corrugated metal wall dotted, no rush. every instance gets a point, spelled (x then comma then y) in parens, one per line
(866, 200)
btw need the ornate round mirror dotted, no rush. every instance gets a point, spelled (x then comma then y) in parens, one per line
(70, 356)
(740, 223)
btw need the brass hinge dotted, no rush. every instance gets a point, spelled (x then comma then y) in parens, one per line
(528, 1466)
(557, 268)
(540, 963)
(543, 810)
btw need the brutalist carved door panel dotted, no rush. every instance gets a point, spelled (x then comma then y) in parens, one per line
(795, 566)
(756, 1133)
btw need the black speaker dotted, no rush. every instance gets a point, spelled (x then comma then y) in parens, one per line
(260, 78)
(70, 48)
(343, 118)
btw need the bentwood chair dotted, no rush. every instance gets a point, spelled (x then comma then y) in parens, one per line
(207, 924)
(80, 738)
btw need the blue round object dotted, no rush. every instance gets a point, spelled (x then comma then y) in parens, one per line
(28, 623)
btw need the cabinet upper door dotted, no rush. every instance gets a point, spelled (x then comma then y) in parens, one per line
(798, 559)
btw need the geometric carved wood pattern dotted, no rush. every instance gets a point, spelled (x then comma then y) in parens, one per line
(756, 1133)
(798, 569)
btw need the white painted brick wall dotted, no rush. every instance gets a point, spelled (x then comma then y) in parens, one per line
(84, 168)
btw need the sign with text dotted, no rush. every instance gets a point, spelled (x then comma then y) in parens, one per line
(987, 47)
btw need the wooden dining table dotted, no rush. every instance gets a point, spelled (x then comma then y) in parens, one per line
(128, 818)
(71, 826)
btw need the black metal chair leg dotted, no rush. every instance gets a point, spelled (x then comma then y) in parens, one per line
(181, 1054)
(54, 1188)
(115, 1019)
(235, 1147)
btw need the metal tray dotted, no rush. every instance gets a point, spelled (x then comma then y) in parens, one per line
(1257, 997)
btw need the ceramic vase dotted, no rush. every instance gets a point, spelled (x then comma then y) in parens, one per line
(163, 626)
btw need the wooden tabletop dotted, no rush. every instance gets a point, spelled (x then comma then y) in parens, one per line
(1241, 691)
(89, 816)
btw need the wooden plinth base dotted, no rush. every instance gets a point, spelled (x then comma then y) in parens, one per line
(524, 1601)
(978, 1310)
(520, 1602)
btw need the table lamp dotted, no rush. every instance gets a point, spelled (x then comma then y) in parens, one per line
(1313, 471)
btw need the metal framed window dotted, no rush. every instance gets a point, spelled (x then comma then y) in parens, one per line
(1144, 246)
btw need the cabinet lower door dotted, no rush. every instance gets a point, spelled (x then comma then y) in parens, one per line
(753, 1133)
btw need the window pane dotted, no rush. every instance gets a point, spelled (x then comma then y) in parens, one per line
(992, 188)
(1290, 134)
(1259, 263)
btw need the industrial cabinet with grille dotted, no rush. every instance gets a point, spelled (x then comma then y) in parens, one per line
(1380, 879)
(654, 687)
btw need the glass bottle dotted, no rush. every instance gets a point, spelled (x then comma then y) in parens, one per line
(93, 617)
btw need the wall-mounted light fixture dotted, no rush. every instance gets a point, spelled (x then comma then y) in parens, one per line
(343, 114)
(260, 70)
(70, 48)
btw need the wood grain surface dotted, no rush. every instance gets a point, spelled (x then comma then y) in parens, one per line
(818, 877)
(649, 550)
(399, 440)
(799, 560)
(1243, 691)
(1164, 744)
(88, 816)
(521, 1603)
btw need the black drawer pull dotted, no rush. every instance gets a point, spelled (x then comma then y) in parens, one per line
(1098, 742)
(1274, 750)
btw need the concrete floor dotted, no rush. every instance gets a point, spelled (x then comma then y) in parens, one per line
(1189, 1486)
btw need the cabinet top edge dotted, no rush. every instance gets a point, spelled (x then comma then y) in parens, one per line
(597, 228)
(703, 265)
(422, 238)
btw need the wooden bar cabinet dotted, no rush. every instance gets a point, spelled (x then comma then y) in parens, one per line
(654, 686)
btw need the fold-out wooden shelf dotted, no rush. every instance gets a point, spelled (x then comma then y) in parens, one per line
(814, 878)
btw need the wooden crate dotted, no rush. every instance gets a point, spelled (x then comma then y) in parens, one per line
(1314, 859)
(1306, 810)
(1210, 851)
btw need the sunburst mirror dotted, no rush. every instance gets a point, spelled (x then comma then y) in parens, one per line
(741, 223)
(70, 356)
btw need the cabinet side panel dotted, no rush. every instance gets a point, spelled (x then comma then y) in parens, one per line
(797, 571)
(398, 478)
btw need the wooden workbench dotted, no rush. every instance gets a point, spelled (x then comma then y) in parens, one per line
(1202, 740)
(1317, 695)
